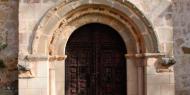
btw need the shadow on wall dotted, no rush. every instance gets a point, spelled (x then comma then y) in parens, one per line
(9, 49)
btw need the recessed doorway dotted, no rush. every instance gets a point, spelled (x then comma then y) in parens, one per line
(95, 63)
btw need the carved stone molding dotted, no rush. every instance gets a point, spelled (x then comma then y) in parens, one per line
(35, 58)
(60, 16)
(27, 64)
(26, 67)
(57, 58)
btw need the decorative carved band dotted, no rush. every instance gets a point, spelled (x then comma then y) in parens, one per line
(93, 9)
(144, 55)
(57, 58)
(32, 58)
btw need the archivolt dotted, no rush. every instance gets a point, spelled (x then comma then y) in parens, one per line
(58, 24)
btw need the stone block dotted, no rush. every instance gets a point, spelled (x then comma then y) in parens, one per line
(60, 88)
(172, 78)
(123, 8)
(42, 69)
(66, 9)
(59, 75)
(151, 70)
(148, 43)
(151, 62)
(131, 71)
(27, 12)
(38, 83)
(60, 65)
(167, 48)
(32, 1)
(141, 26)
(23, 83)
(30, 91)
(44, 92)
(183, 82)
(51, 25)
(23, 38)
(43, 45)
(167, 89)
(158, 79)
(165, 34)
(132, 87)
(153, 89)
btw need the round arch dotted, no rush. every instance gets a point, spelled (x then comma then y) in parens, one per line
(63, 17)
(60, 22)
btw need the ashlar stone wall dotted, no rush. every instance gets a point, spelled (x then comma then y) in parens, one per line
(30, 14)
(158, 12)
(8, 46)
(168, 17)
(181, 28)
(171, 17)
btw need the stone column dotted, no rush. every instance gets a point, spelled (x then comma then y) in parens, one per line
(135, 75)
(141, 77)
(144, 71)
(57, 75)
(52, 82)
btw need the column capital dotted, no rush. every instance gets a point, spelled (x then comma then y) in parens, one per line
(57, 58)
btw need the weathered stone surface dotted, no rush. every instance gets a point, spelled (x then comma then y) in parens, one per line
(6, 92)
(179, 42)
(181, 30)
(3, 37)
(168, 17)
(154, 10)
(9, 36)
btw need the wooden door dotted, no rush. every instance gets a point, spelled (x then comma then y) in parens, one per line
(95, 63)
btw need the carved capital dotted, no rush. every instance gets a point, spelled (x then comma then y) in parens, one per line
(57, 58)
